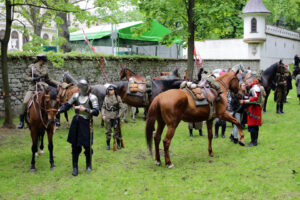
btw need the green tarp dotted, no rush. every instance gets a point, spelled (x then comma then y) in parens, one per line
(154, 35)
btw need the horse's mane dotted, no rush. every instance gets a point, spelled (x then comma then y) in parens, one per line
(126, 68)
(271, 69)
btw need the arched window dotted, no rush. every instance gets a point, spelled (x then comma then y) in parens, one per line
(14, 40)
(45, 36)
(253, 25)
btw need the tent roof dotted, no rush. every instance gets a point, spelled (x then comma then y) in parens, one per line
(124, 32)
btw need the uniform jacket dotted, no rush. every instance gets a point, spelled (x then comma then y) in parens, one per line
(38, 71)
(112, 107)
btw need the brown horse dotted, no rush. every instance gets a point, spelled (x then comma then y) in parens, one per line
(126, 72)
(41, 117)
(172, 106)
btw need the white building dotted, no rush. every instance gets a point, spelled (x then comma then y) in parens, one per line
(263, 43)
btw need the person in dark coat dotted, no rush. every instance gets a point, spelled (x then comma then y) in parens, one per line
(297, 83)
(288, 82)
(296, 69)
(81, 130)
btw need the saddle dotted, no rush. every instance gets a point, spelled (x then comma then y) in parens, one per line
(202, 93)
(136, 85)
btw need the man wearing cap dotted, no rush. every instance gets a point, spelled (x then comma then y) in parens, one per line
(112, 109)
(81, 130)
(280, 87)
(35, 73)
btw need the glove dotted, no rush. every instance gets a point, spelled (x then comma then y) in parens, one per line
(37, 79)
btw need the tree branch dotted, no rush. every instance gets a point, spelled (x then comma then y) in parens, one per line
(49, 8)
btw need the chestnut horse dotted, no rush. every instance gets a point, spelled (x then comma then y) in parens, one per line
(172, 106)
(41, 117)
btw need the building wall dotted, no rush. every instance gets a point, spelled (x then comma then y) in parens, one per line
(80, 68)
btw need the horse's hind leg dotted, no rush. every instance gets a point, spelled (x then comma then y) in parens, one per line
(228, 117)
(209, 125)
(50, 147)
(167, 142)
(34, 149)
(157, 138)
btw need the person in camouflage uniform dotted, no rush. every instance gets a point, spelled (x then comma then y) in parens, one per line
(35, 73)
(112, 109)
(280, 87)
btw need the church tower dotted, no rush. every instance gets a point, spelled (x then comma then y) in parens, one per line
(254, 15)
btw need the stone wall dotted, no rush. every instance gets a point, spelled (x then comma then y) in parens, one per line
(89, 68)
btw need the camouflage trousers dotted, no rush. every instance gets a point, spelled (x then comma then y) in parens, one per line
(27, 97)
(109, 124)
(280, 94)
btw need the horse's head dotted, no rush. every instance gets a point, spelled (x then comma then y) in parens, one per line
(51, 100)
(123, 72)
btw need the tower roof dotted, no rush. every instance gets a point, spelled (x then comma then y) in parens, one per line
(255, 6)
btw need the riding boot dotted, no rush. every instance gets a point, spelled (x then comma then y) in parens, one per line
(281, 108)
(277, 108)
(108, 144)
(75, 156)
(251, 144)
(21, 123)
(255, 138)
(118, 143)
(88, 158)
(191, 132)
(201, 133)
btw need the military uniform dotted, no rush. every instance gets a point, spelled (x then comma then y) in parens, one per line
(81, 130)
(197, 126)
(35, 73)
(112, 109)
(280, 88)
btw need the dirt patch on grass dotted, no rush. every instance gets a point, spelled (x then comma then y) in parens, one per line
(5, 134)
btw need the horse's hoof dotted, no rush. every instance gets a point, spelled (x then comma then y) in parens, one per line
(53, 167)
(32, 170)
(42, 153)
(211, 154)
(36, 155)
(157, 163)
(171, 166)
(242, 143)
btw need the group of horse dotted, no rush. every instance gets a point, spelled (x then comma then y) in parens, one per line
(168, 105)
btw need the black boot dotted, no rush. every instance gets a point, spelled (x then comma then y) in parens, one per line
(278, 108)
(118, 143)
(75, 156)
(231, 137)
(255, 138)
(251, 144)
(88, 158)
(21, 123)
(191, 132)
(201, 133)
(281, 108)
(108, 144)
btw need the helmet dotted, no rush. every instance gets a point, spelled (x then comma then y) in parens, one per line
(83, 85)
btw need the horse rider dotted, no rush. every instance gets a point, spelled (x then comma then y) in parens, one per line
(280, 87)
(112, 109)
(254, 117)
(35, 73)
(81, 130)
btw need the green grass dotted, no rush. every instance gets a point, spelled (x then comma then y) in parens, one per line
(262, 172)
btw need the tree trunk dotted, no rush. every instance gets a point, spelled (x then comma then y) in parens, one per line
(64, 32)
(191, 29)
(8, 120)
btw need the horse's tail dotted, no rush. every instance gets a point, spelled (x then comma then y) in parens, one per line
(153, 111)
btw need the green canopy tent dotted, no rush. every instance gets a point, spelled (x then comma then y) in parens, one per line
(100, 36)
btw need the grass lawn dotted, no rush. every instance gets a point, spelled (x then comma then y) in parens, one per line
(269, 171)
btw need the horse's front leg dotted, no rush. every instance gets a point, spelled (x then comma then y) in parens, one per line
(209, 125)
(67, 119)
(266, 100)
(228, 117)
(50, 133)
(34, 149)
(42, 144)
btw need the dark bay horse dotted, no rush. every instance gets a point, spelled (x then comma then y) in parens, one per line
(172, 106)
(41, 117)
(268, 80)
